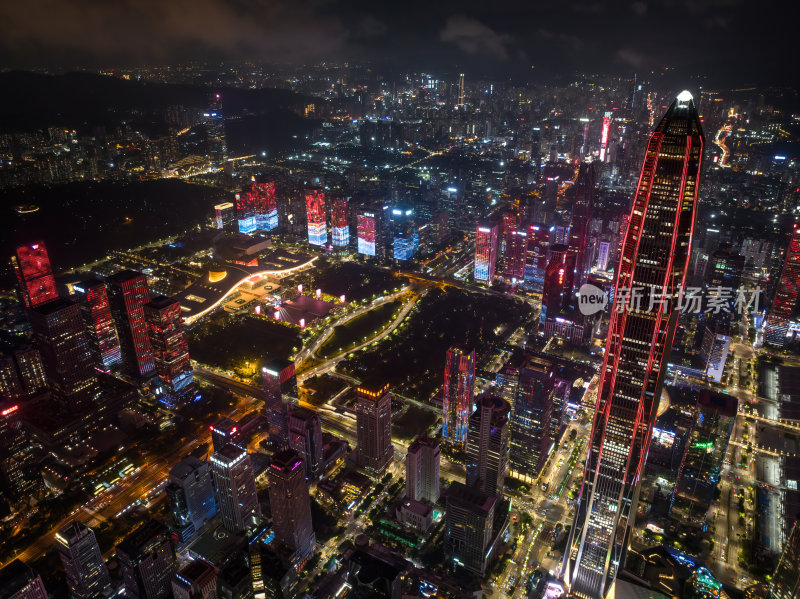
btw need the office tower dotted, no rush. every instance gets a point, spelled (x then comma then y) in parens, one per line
(457, 397)
(468, 527)
(225, 431)
(214, 122)
(10, 383)
(87, 575)
(16, 479)
(558, 281)
(37, 285)
(225, 216)
(235, 482)
(604, 133)
(170, 349)
(196, 580)
(245, 212)
(280, 388)
(374, 426)
(315, 214)
(128, 293)
(655, 257)
(536, 259)
(100, 327)
(234, 580)
(461, 90)
(366, 228)
(191, 496)
(31, 369)
(516, 252)
(785, 582)
(725, 269)
(60, 335)
(531, 419)
(405, 234)
(485, 252)
(487, 445)
(507, 381)
(786, 293)
(305, 438)
(705, 452)
(422, 470)
(340, 227)
(265, 205)
(290, 504)
(148, 561)
(714, 349)
(582, 205)
(19, 581)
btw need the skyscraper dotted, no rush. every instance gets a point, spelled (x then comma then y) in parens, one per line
(315, 214)
(785, 583)
(457, 397)
(100, 326)
(128, 293)
(291, 504)
(654, 260)
(583, 193)
(245, 212)
(374, 426)
(558, 281)
(60, 335)
(536, 259)
(265, 206)
(340, 227)
(280, 387)
(367, 229)
(422, 470)
(16, 480)
(87, 575)
(225, 216)
(148, 561)
(461, 90)
(487, 445)
(786, 294)
(19, 581)
(516, 250)
(196, 580)
(170, 349)
(225, 431)
(468, 527)
(485, 252)
(191, 496)
(531, 418)
(37, 285)
(235, 482)
(305, 438)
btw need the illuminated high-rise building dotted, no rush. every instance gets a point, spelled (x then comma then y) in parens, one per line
(60, 335)
(536, 258)
(245, 212)
(461, 90)
(487, 445)
(785, 582)
(654, 259)
(100, 327)
(280, 387)
(37, 285)
(604, 135)
(340, 227)
(191, 496)
(305, 438)
(315, 214)
(214, 122)
(265, 205)
(485, 252)
(196, 580)
(225, 216)
(128, 293)
(422, 470)
(235, 482)
(16, 480)
(786, 294)
(225, 431)
(87, 575)
(469, 519)
(367, 226)
(457, 397)
(148, 561)
(583, 200)
(558, 280)
(31, 369)
(531, 418)
(170, 349)
(19, 581)
(290, 504)
(10, 383)
(374, 426)
(516, 252)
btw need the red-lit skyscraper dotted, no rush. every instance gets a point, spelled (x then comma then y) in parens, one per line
(128, 293)
(654, 260)
(34, 275)
(246, 211)
(786, 295)
(485, 252)
(340, 229)
(265, 205)
(315, 213)
(367, 226)
(170, 349)
(457, 397)
(100, 326)
(557, 288)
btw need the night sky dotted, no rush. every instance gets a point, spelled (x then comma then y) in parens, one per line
(734, 42)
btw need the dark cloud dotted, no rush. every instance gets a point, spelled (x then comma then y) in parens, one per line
(473, 37)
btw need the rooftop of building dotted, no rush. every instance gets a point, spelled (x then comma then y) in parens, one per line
(196, 570)
(229, 453)
(142, 536)
(159, 302)
(373, 388)
(479, 500)
(422, 441)
(124, 275)
(185, 467)
(420, 508)
(72, 531)
(15, 576)
(286, 461)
